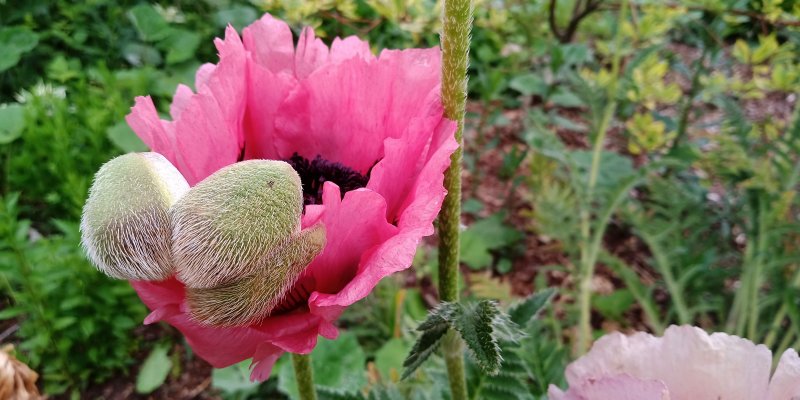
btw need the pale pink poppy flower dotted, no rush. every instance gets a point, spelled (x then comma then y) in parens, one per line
(685, 364)
(368, 138)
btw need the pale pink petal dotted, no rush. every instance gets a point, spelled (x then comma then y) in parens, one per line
(785, 383)
(379, 99)
(265, 93)
(621, 387)
(353, 226)
(693, 364)
(203, 74)
(350, 47)
(270, 43)
(183, 95)
(311, 54)
(158, 135)
(411, 171)
(209, 129)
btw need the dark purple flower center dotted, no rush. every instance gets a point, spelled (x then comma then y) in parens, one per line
(314, 173)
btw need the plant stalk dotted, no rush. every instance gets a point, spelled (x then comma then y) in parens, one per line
(304, 376)
(456, 26)
(591, 239)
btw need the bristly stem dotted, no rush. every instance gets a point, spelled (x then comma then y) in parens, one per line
(304, 376)
(456, 27)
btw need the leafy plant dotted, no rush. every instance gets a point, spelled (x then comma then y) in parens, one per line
(75, 325)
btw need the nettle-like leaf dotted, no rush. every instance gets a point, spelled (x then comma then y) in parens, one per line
(482, 326)
(476, 326)
(433, 329)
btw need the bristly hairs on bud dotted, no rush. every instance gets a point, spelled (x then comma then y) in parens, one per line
(125, 227)
(225, 224)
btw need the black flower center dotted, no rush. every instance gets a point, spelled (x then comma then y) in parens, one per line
(314, 173)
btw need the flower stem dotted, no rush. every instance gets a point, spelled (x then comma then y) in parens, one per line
(456, 26)
(304, 375)
(591, 239)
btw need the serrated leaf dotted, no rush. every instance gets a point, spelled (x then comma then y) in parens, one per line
(154, 370)
(528, 309)
(433, 329)
(475, 326)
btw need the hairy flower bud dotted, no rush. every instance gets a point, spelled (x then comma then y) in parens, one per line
(125, 226)
(225, 224)
(252, 298)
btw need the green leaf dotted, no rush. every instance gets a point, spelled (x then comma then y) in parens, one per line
(234, 380)
(337, 364)
(613, 305)
(122, 136)
(389, 357)
(525, 311)
(486, 235)
(154, 370)
(14, 42)
(11, 312)
(180, 44)
(433, 329)
(150, 25)
(529, 84)
(12, 122)
(238, 16)
(140, 54)
(475, 325)
(565, 98)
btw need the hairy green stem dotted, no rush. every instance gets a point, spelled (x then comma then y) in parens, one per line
(304, 376)
(590, 239)
(456, 26)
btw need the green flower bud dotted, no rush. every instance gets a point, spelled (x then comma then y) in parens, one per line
(225, 225)
(250, 299)
(125, 226)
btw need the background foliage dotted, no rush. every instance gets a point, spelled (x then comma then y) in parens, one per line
(642, 159)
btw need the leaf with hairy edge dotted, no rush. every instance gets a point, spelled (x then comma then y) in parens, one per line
(475, 325)
(529, 308)
(433, 329)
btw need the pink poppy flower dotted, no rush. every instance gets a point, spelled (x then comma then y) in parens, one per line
(365, 133)
(685, 364)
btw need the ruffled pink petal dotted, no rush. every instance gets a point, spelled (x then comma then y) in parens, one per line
(271, 45)
(207, 132)
(348, 48)
(295, 332)
(785, 383)
(622, 387)
(311, 54)
(693, 364)
(183, 96)
(158, 135)
(344, 111)
(203, 74)
(411, 171)
(353, 227)
(265, 93)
